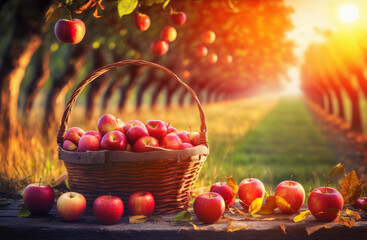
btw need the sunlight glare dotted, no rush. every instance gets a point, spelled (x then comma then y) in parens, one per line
(348, 13)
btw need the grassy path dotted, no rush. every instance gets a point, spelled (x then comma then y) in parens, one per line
(287, 141)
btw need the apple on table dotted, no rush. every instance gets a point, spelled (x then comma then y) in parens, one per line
(250, 189)
(293, 193)
(108, 209)
(38, 198)
(209, 207)
(325, 203)
(141, 203)
(71, 206)
(225, 191)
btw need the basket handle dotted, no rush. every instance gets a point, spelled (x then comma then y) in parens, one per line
(96, 73)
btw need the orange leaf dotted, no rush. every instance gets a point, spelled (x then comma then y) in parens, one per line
(353, 213)
(330, 210)
(336, 170)
(351, 188)
(240, 212)
(255, 206)
(269, 206)
(195, 227)
(283, 228)
(302, 216)
(313, 229)
(232, 183)
(346, 221)
(282, 203)
(229, 226)
(138, 219)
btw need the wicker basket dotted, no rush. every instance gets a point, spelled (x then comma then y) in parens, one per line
(168, 174)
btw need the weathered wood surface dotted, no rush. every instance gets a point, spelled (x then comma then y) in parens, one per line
(162, 227)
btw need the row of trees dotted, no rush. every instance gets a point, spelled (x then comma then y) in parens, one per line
(32, 61)
(335, 69)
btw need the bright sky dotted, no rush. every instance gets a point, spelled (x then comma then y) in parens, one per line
(316, 14)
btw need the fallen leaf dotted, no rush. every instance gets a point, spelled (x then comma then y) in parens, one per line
(255, 206)
(230, 227)
(351, 188)
(229, 224)
(241, 212)
(347, 221)
(283, 228)
(353, 213)
(282, 203)
(195, 227)
(183, 216)
(313, 229)
(23, 212)
(330, 210)
(231, 210)
(269, 206)
(336, 170)
(232, 183)
(138, 219)
(302, 216)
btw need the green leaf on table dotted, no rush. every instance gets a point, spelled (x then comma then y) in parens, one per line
(23, 212)
(183, 216)
(125, 7)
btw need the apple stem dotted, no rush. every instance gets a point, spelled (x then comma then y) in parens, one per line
(249, 176)
(67, 9)
(109, 195)
(326, 185)
(291, 179)
(190, 128)
(40, 182)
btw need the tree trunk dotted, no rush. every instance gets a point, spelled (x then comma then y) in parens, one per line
(170, 92)
(135, 73)
(40, 77)
(361, 80)
(329, 99)
(112, 88)
(151, 78)
(158, 89)
(336, 90)
(181, 98)
(61, 85)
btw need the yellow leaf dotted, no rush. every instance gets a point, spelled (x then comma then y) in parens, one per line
(336, 170)
(255, 206)
(353, 213)
(351, 188)
(241, 212)
(138, 219)
(232, 183)
(313, 229)
(195, 227)
(282, 203)
(269, 206)
(229, 226)
(302, 216)
(346, 221)
(231, 210)
(282, 226)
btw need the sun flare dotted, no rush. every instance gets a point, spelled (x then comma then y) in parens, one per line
(348, 13)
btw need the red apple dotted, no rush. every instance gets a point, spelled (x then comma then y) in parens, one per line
(141, 21)
(136, 132)
(201, 51)
(184, 136)
(209, 207)
(194, 138)
(71, 206)
(225, 191)
(108, 122)
(293, 193)
(114, 141)
(70, 31)
(74, 134)
(178, 18)
(212, 58)
(69, 146)
(227, 59)
(132, 123)
(141, 143)
(186, 145)
(361, 203)
(325, 203)
(171, 129)
(38, 198)
(171, 141)
(208, 37)
(88, 143)
(159, 47)
(156, 128)
(168, 34)
(94, 133)
(129, 148)
(108, 209)
(250, 189)
(141, 203)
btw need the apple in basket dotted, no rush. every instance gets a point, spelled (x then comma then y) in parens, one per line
(171, 141)
(194, 138)
(74, 134)
(132, 123)
(136, 132)
(156, 128)
(108, 122)
(141, 144)
(114, 140)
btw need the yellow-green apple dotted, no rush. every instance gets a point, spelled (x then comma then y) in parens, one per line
(293, 193)
(141, 143)
(94, 133)
(108, 209)
(74, 134)
(132, 123)
(141, 21)
(136, 132)
(209, 207)
(88, 143)
(201, 51)
(325, 203)
(168, 34)
(159, 47)
(212, 58)
(108, 122)
(184, 136)
(250, 189)
(38, 198)
(194, 138)
(69, 146)
(171, 141)
(141, 203)
(225, 191)
(71, 206)
(178, 18)
(208, 37)
(70, 31)
(114, 140)
(186, 145)
(156, 128)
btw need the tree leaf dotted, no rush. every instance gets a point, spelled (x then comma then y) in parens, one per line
(347, 221)
(125, 7)
(336, 170)
(54, 12)
(282, 226)
(241, 212)
(23, 212)
(165, 4)
(183, 216)
(313, 229)
(353, 213)
(255, 206)
(281, 202)
(351, 188)
(269, 206)
(302, 216)
(138, 219)
(232, 183)
(85, 6)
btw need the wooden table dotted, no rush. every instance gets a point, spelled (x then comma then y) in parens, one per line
(162, 227)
